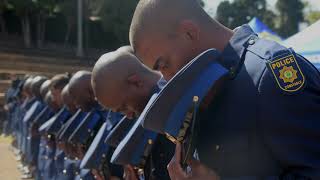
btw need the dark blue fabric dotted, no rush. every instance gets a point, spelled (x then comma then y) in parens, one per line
(253, 128)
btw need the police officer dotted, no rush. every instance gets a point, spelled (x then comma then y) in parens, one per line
(132, 84)
(56, 86)
(82, 92)
(260, 125)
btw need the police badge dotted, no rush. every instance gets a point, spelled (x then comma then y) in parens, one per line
(287, 73)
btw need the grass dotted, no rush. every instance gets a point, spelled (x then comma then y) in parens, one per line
(6, 139)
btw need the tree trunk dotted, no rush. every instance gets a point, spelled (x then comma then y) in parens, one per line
(41, 25)
(3, 25)
(26, 30)
(67, 36)
(39, 30)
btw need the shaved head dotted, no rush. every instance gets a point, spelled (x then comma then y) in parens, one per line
(50, 101)
(27, 86)
(67, 99)
(44, 88)
(36, 85)
(167, 34)
(149, 16)
(119, 77)
(81, 90)
(57, 83)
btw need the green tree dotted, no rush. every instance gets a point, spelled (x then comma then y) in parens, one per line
(290, 16)
(3, 7)
(69, 9)
(226, 14)
(43, 10)
(201, 3)
(24, 9)
(312, 17)
(116, 18)
(242, 11)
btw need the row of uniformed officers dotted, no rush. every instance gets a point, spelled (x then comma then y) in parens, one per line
(62, 132)
(201, 101)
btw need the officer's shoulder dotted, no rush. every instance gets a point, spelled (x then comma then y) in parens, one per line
(267, 50)
(288, 70)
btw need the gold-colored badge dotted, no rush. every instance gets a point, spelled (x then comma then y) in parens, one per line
(287, 73)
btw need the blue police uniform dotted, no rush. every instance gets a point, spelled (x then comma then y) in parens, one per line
(70, 166)
(261, 124)
(92, 123)
(145, 150)
(69, 169)
(98, 155)
(97, 150)
(22, 128)
(263, 121)
(59, 164)
(36, 144)
(85, 174)
(119, 132)
(88, 128)
(36, 108)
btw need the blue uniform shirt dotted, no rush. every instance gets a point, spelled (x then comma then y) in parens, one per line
(265, 121)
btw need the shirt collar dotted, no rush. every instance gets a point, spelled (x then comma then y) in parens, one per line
(236, 48)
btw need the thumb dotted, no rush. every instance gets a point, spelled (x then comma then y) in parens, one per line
(198, 168)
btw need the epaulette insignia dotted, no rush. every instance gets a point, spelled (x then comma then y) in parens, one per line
(287, 73)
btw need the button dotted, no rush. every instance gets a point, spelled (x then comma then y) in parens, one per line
(104, 156)
(217, 147)
(150, 142)
(65, 158)
(64, 171)
(251, 42)
(77, 173)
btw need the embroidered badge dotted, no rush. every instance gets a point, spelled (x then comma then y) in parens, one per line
(287, 73)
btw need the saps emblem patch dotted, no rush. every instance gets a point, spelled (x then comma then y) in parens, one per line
(287, 73)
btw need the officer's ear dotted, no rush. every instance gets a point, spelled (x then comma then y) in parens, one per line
(189, 30)
(134, 80)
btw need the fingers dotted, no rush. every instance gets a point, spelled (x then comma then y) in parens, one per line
(199, 170)
(174, 167)
(129, 173)
(178, 152)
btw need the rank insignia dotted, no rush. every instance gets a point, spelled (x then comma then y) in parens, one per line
(287, 73)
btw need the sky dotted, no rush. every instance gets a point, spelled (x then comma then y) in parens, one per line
(211, 5)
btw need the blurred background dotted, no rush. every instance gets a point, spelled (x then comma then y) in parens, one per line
(56, 25)
(57, 36)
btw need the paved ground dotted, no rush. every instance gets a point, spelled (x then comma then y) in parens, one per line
(8, 164)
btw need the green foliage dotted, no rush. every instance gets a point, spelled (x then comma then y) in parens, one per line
(291, 14)
(46, 7)
(22, 7)
(116, 18)
(312, 17)
(201, 3)
(242, 11)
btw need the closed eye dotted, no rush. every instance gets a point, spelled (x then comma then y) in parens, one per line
(157, 64)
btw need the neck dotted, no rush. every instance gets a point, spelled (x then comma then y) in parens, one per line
(151, 82)
(216, 36)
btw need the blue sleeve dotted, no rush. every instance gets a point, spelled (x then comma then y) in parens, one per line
(290, 122)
